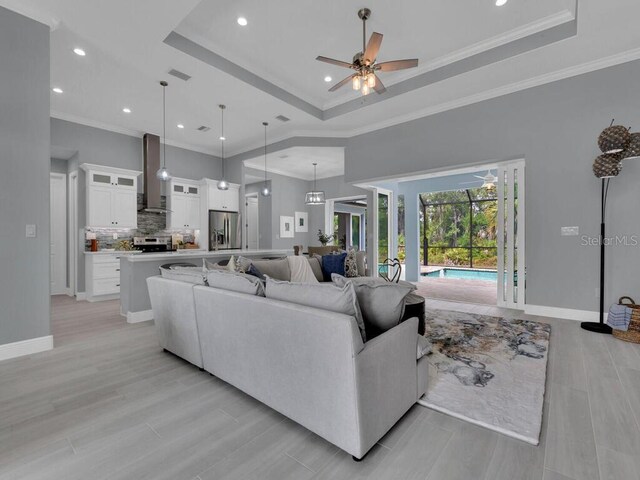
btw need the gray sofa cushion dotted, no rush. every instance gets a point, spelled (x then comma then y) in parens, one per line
(381, 302)
(236, 282)
(277, 268)
(325, 296)
(193, 275)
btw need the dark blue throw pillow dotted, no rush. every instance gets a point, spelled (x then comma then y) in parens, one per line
(253, 270)
(333, 264)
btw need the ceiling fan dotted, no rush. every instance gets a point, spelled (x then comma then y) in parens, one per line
(364, 63)
(489, 180)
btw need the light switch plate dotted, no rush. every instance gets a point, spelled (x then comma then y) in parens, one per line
(570, 231)
(30, 231)
(115, 236)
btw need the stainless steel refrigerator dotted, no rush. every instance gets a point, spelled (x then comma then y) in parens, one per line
(225, 230)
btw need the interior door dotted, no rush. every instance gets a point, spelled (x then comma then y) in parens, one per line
(58, 252)
(511, 235)
(252, 223)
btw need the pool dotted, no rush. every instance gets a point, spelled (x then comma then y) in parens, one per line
(466, 273)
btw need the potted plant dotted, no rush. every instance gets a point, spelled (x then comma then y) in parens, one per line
(324, 238)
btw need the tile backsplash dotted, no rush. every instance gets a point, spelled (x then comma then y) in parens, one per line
(149, 224)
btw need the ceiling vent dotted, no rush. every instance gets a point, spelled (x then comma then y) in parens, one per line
(284, 156)
(282, 118)
(203, 128)
(179, 74)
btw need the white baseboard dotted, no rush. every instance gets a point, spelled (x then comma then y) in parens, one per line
(564, 313)
(26, 347)
(142, 316)
(81, 296)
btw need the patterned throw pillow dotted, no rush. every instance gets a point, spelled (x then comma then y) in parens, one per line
(350, 264)
(239, 264)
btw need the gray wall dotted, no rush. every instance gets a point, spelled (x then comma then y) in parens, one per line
(24, 182)
(555, 128)
(102, 147)
(287, 197)
(59, 166)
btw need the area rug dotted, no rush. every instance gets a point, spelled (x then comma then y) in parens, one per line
(488, 371)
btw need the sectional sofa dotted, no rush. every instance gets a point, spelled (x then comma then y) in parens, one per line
(309, 364)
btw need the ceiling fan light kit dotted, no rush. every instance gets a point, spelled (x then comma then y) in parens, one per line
(364, 63)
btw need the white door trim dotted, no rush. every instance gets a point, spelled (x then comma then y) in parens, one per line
(72, 237)
(62, 179)
(246, 216)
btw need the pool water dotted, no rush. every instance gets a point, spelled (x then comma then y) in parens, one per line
(466, 273)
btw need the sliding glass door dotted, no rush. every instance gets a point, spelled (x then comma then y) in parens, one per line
(511, 235)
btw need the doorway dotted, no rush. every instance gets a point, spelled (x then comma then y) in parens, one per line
(58, 247)
(252, 225)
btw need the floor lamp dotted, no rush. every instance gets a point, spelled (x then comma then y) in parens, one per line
(617, 144)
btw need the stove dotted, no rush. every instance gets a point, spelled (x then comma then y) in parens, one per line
(152, 244)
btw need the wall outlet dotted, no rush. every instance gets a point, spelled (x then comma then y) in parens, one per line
(570, 231)
(30, 231)
(115, 236)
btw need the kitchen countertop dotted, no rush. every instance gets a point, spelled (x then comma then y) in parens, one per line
(150, 257)
(113, 252)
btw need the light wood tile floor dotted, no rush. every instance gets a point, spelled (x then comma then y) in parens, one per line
(108, 403)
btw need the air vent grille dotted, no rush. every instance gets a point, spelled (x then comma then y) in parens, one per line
(282, 118)
(203, 128)
(179, 74)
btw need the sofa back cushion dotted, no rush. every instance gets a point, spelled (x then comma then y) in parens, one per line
(235, 282)
(316, 267)
(325, 296)
(193, 275)
(276, 268)
(381, 302)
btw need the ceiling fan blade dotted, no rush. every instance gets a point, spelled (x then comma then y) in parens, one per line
(394, 65)
(379, 86)
(478, 176)
(341, 83)
(469, 183)
(373, 47)
(332, 61)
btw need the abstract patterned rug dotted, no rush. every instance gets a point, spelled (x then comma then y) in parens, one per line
(488, 371)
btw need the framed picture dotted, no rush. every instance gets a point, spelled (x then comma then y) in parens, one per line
(302, 220)
(286, 227)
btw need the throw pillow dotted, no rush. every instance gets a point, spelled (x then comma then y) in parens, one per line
(382, 303)
(424, 347)
(316, 267)
(301, 270)
(253, 270)
(184, 274)
(325, 296)
(333, 264)
(276, 268)
(350, 264)
(235, 282)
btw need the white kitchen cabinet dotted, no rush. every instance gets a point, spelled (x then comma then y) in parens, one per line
(102, 273)
(111, 197)
(224, 200)
(184, 205)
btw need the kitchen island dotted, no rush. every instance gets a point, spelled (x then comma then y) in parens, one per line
(135, 304)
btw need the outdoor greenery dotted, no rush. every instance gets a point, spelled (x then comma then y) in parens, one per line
(449, 232)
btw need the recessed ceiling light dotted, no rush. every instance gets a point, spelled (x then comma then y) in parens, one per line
(126, 110)
(223, 138)
(242, 21)
(79, 51)
(500, 3)
(57, 90)
(180, 125)
(327, 78)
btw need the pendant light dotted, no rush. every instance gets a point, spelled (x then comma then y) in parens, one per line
(314, 197)
(265, 190)
(163, 174)
(222, 184)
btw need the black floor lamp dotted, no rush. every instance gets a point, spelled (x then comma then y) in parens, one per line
(617, 144)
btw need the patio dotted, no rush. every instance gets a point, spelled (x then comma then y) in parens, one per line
(454, 289)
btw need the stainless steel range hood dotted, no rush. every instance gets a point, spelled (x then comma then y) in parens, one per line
(152, 184)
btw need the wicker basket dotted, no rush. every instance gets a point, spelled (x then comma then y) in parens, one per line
(633, 332)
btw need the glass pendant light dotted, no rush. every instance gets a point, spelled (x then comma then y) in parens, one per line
(365, 89)
(222, 184)
(315, 197)
(356, 82)
(163, 174)
(371, 80)
(265, 192)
